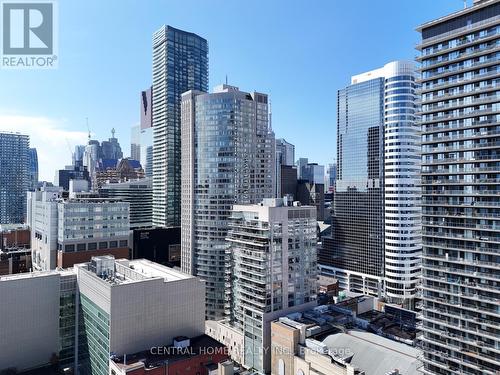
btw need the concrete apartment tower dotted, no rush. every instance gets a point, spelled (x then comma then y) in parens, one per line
(227, 159)
(273, 271)
(460, 94)
(180, 63)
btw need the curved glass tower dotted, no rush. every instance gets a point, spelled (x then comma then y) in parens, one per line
(402, 222)
(375, 246)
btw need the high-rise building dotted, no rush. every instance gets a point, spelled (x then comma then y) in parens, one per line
(301, 163)
(139, 194)
(69, 230)
(285, 156)
(180, 63)
(313, 173)
(14, 177)
(331, 174)
(78, 155)
(146, 132)
(273, 271)
(71, 172)
(460, 94)
(33, 169)
(376, 239)
(227, 158)
(312, 194)
(111, 148)
(147, 108)
(135, 142)
(285, 152)
(146, 139)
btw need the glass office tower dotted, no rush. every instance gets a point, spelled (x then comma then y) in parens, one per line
(227, 159)
(460, 179)
(14, 177)
(180, 63)
(358, 225)
(376, 241)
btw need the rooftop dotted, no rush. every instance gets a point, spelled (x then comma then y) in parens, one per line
(372, 353)
(122, 271)
(168, 354)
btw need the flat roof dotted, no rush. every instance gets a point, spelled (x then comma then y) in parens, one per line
(152, 269)
(199, 345)
(476, 5)
(133, 271)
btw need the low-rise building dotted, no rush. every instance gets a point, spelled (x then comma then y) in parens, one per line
(131, 306)
(79, 317)
(199, 355)
(295, 349)
(37, 325)
(66, 230)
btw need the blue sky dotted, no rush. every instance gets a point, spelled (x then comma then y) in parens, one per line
(299, 52)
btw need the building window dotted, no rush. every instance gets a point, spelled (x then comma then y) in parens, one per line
(281, 367)
(113, 244)
(81, 247)
(123, 243)
(103, 245)
(92, 246)
(69, 248)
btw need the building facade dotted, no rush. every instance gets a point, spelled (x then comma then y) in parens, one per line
(180, 63)
(460, 85)
(79, 318)
(273, 271)
(227, 158)
(285, 156)
(131, 306)
(33, 169)
(376, 240)
(77, 171)
(14, 177)
(139, 194)
(35, 335)
(135, 142)
(146, 132)
(66, 231)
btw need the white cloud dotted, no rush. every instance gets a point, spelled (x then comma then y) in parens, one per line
(49, 136)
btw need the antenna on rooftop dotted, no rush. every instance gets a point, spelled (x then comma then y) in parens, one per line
(226, 79)
(465, 4)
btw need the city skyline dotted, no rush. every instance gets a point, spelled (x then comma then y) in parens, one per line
(52, 111)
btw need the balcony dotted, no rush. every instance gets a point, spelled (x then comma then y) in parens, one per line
(490, 48)
(460, 93)
(475, 146)
(459, 69)
(463, 247)
(458, 82)
(460, 137)
(458, 104)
